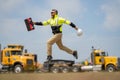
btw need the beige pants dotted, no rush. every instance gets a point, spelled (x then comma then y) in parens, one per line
(57, 38)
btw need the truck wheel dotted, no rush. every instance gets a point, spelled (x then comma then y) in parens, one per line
(55, 69)
(110, 68)
(65, 69)
(18, 69)
(75, 69)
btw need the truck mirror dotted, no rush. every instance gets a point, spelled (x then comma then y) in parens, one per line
(107, 54)
(25, 50)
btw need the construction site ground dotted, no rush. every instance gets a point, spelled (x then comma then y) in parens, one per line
(62, 76)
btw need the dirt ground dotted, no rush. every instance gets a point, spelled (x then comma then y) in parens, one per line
(62, 76)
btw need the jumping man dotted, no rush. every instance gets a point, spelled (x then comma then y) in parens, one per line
(56, 23)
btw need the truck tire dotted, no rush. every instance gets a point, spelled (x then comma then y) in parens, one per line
(75, 69)
(65, 69)
(18, 69)
(55, 69)
(110, 68)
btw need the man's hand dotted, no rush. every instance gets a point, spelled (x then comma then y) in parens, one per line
(34, 23)
(76, 28)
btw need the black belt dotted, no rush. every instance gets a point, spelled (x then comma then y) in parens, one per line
(57, 33)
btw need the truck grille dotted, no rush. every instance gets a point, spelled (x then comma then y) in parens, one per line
(29, 62)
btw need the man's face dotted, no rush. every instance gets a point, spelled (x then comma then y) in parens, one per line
(53, 13)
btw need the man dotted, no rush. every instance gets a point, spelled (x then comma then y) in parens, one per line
(56, 25)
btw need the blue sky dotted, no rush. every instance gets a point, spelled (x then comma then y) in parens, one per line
(99, 20)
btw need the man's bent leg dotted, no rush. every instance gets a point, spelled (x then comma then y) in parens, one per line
(64, 48)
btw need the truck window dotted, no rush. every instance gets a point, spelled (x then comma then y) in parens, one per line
(103, 54)
(11, 46)
(16, 52)
(7, 54)
(97, 54)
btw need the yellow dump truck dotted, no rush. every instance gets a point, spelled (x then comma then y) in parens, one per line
(13, 59)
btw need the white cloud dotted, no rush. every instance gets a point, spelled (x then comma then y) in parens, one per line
(67, 8)
(112, 14)
(7, 5)
(11, 27)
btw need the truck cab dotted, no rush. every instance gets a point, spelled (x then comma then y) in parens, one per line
(100, 57)
(15, 46)
(12, 58)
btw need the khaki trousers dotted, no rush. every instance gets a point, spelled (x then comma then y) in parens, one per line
(57, 38)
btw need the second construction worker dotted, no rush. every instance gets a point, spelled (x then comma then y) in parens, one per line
(56, 23)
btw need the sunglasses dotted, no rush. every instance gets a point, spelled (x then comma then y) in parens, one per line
(52, 11)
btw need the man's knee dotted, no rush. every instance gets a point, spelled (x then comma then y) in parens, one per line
(61, 47)
(49, 42)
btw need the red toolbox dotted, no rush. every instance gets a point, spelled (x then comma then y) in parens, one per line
(29, 24)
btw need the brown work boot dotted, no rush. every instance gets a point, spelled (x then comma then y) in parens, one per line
(49, 57)
(75, 54)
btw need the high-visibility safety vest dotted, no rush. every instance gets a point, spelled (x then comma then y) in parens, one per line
(56, 23)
